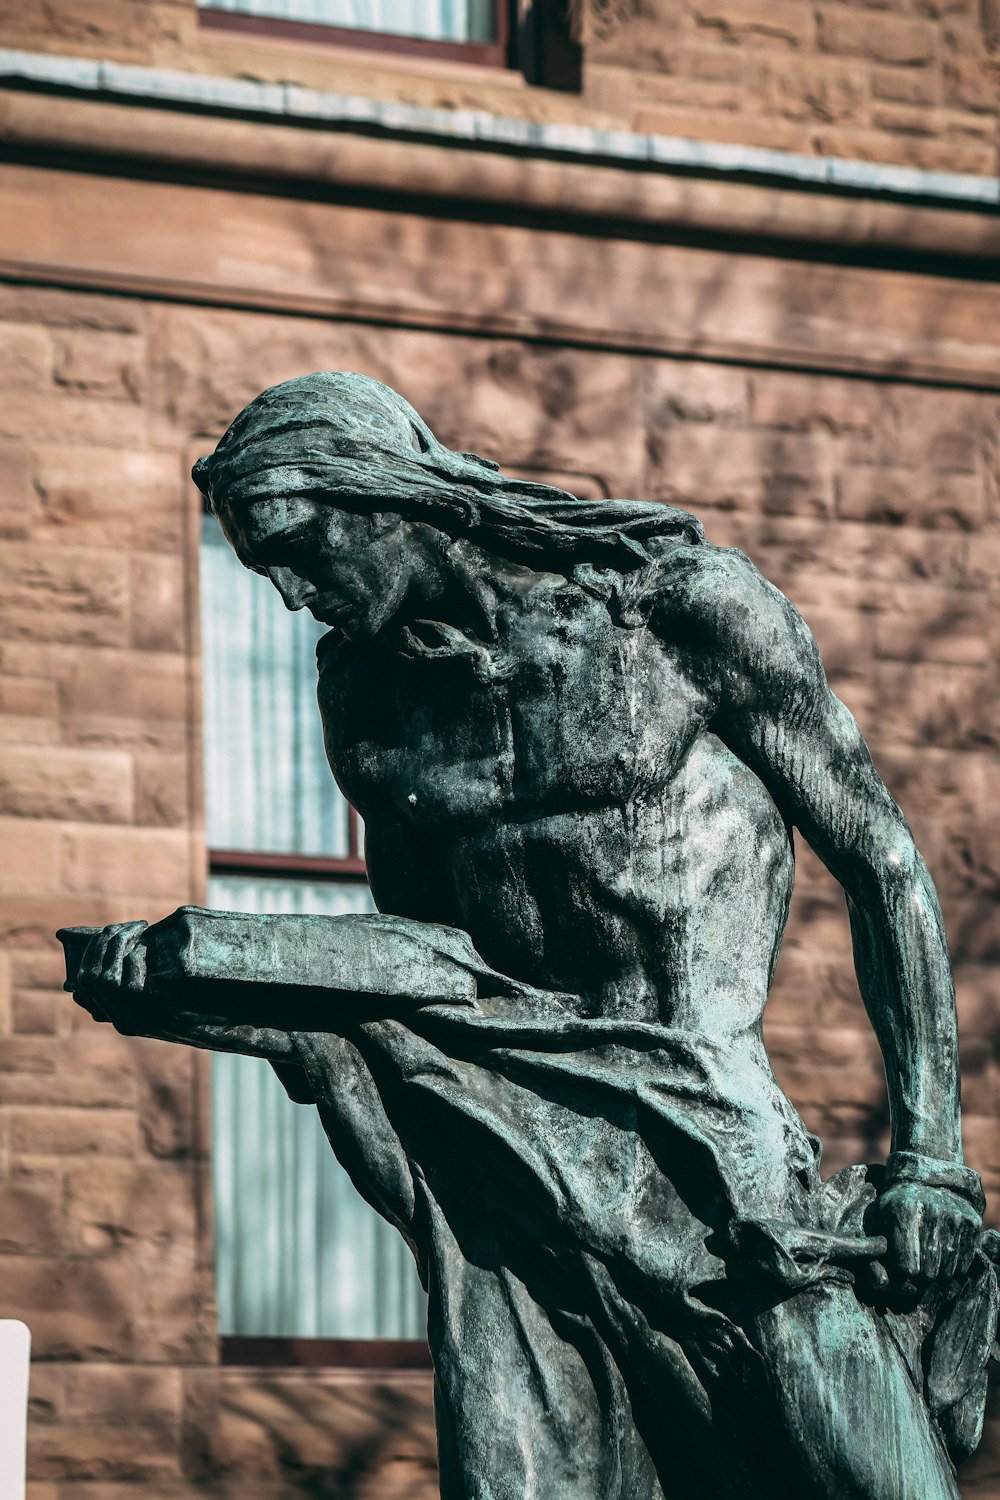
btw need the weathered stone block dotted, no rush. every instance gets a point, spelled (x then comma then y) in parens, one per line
(761, 22)
(148, 1207)
(30, 856)
(34, 1013)
(109, 497)
(50, 782)
(163, 793)
(25, 356)
(60, 594)
(75, 1309)
(100, 364)
(30, 1218)
(159, 613)
(775, 472)
(154, 864)
(326, 1430)
(890, 494)
(62, 1131)
(856, 32)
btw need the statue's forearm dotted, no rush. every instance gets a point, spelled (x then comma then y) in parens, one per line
(217, 973)
(904, 973)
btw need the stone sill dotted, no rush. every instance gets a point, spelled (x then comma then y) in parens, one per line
(472, 129)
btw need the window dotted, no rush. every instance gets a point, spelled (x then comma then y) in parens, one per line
(476, 30)
(299, 1254)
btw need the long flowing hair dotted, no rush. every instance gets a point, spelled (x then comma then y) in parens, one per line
(347, 440)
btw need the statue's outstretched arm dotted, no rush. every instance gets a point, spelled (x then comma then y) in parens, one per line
(776, 710)
(241, 982)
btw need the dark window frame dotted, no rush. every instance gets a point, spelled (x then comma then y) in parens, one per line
(349, 866)
(496, 54)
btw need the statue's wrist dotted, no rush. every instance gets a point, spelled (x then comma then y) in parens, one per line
(933, 1172)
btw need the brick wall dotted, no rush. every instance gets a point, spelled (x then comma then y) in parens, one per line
(904, 81)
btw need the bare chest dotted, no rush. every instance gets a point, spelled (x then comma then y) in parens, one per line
(571, 711)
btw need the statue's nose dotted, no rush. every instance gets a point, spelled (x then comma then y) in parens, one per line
(295, 591)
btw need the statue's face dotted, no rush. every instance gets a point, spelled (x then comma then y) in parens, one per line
(352, 571)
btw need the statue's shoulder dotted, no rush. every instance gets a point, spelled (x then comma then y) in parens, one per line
(722, 604)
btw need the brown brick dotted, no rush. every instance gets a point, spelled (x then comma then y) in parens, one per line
(889, 494)
(820, 89)
(779, 473)
(65, 417)
(757, 21)
(931, 704)
(34, 697)
(931, 154)
(942, 430)
(176, 1318)
(115, 1451)
(62, 1131)
(676, 89)
(38, 969)
(642, 42)
(169, 1108)
(159, 615)
(25, 356)
(107, 497)
(18, 504)
(932, 123)
(140, 862)
(100, 364)
(75, 1309)
(275, 1428)
(907, 85)
(35, 1013)
(64, 594)
(968, 84)
(133, 685)
(92, 27)
(100, 1393)
(939, 628)
(88, 785)
(163, 789)
(19, 729)
(882, 38)
(94, 1068)
(785, 400)
(718, 63)
(30, 1219)
(675, 389)
(705, 125)
(29, 854)
(114, 1203)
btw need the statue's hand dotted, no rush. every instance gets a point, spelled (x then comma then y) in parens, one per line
(112, 970)
(932, 1232)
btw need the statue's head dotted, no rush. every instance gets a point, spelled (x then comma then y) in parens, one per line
(336, 489)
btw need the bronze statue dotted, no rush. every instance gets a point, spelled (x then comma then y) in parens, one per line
(580, 736)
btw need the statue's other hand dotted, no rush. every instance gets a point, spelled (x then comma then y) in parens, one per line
(112, 971)
(933, 1233)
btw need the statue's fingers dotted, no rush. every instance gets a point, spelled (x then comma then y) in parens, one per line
(87, 989)
(931, 1249)
(906, 1245)
(968, 1243)
(116, 952)
(951, 1253)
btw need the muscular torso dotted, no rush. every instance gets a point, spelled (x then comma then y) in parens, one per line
(570, 808)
